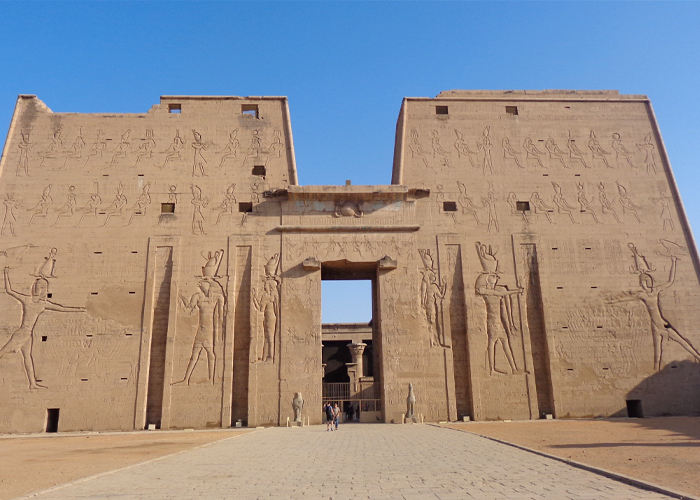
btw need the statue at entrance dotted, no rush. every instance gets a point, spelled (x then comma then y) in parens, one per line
(410, 403)
(297, 405)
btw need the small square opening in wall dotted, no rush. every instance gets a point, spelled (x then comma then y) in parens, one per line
(634, 408)
(245, 207)
(167, 208)
(512, 110)
(250, 110)
(441, 110)
(44, 338)
(449, 206)
(522, 206)
(174, 108)
(259, 170)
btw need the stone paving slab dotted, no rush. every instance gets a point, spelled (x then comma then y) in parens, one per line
(371, 461)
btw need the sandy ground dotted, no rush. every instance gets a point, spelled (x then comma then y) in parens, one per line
(29, 464)
(663, 451)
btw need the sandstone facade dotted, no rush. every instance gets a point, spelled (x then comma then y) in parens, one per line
(531, 257)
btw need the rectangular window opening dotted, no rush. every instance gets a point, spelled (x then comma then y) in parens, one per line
(49, 295)
(250, 110)
(522, 206)
(246, 207)
(512, 110)
(449, 206)
(441, 110)
(44, 338)
(259, 170)
(560, 288)
(174, 108)
(52, 419)
(166, 208)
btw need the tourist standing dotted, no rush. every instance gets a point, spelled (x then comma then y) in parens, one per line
(336, 415)
(329, 416)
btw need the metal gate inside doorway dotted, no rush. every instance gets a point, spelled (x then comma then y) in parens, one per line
(361, 405)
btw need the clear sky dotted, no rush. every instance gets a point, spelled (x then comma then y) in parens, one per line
(345, 66)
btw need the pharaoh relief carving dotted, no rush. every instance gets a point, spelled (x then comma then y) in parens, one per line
(76, 149)
(33, 305)
(485, 147)
(198, 160)
(500, 326)
(597, 149)
(228, 206)
(92, 207)
(53, 150)
(509, 152)
(230, 151)
(512, 200)
(607, 204)
(25, 146)
(209, 302)
(122, 148)
(665, 202)
(267, 303)
(574, 152)
(463, 148)
(42, 208)
(416, 148)
(563, 206)
(650, 296)
(585, 203)
(627, 204)
(116, 208)
(257, 153)
(621, 152)
(555, 152)
(539, 207)
(468, 206)
(68, 209)
(142, 202)
(97, 148)
(532, 153)
(174, 151)
(438, 152)
(648, 147)
(198, 202)
(432, 294)
(490, 203)
(146, 148)
(9, 219)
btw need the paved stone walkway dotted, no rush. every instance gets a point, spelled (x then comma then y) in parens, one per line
(370, 461)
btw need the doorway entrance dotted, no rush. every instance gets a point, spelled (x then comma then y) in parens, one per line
(348, 340)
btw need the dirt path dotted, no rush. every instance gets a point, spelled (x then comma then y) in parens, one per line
(34, 463)
(664, 451)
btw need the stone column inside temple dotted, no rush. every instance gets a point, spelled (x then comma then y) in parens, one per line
(355, 369)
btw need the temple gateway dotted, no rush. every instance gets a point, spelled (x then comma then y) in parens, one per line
(530, 259)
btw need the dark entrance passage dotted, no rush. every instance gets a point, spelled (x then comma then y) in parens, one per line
(52, 419)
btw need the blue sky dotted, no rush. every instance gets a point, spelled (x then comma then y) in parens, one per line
(345, 66)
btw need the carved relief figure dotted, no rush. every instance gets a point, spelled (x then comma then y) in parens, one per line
(54, 148)
(210, 303)
(231, 149)
(97, 147)
(563, 206)
(661, 329)
(268, 304)
(463, 148)
(621, 150)
(540, 207)
(275, 149)
(92, 207)
(197, 203)
(432, 297)
(9, 220)
(76, 149)
(606, 203)
(438, 150)
(627, 204)
(254, 148)
(410, 403)
(24, 148)
(42, 208)
(555, 152)
(139, 208)
(174, 151)
(228, 206)
(584, 203)
(122, 148)
(146, 148)
(198, 162)
(532, 152)
(490, 203)
(513, 202)
(33, 306)
(499, 309)
(116, 208)
(485, 147)
(416, 148)
(574, 152)
(466, 202)
(648, 148)
(68, 209)
(509, 152)
(598, 151)
(666, 218)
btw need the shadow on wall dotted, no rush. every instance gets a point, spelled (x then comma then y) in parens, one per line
(675, 390)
